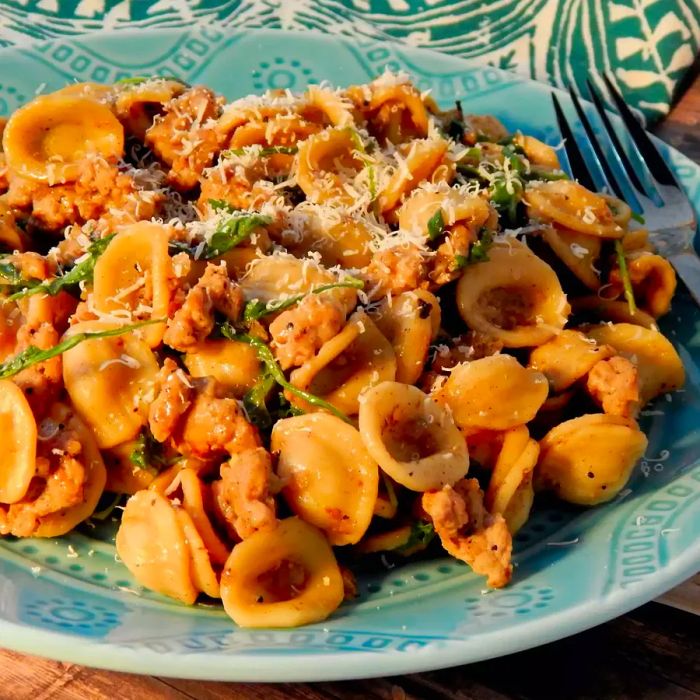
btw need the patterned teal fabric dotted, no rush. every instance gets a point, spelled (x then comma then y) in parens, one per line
(645, 45)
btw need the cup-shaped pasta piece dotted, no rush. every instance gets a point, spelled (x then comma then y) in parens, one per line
(510, 491)
(494, 393)
(325, 162)
(415, 213)
(339, 239)
(283, 577)
(572, 206)
(19, 433)
(110, 382)
(659, 366)
(412, 437)
(196, 497)
(567, 357)
(653, 281)
(234, 364)
(399, 112)
(132, 277)
(237, 260)
(151, 543)
(336, 108)
(123, 476)
(578, 251)
(514, 297)
(204, 577)
(137, 105)
(271, 277)
(588, 460)
(418, 162)
(537, 152)
(358, 357)
(47, 138)
(329, 478)
(94, 476)
(593, 308)
(408, 322)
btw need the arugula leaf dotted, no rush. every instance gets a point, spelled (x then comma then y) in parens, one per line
(286, 409)
(625, 275)
(147, 453)
(105, 507)
(232, 232)
(264, 151)
(275, 371)
(255, 401)
(134, 80)
(421, 535)
(479, 251)
(81, 272)
(11, 278)
(221, 205)
(537, 172)
(638, 218)
(256, 309)
(33, 355)
(436, 225)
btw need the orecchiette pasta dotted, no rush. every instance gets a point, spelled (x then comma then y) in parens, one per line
(412, 437)
(323, 304)
(494, 393)
(110, 382)
(514, 296)
(329, 478)
(588, 460)
(282, 578)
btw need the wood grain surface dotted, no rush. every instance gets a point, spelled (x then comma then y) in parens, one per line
(652, 653)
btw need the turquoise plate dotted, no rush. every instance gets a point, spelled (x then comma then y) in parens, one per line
(69, 599)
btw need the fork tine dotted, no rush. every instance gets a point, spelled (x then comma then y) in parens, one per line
(623, 158)
(601, 159)
(579, 169)
(650, 154)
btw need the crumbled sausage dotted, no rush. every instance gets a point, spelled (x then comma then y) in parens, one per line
(194, 320)
(396, 270)
(299, 332)
(185, 137)
(175, 394)
(614, 384)
(469, 532)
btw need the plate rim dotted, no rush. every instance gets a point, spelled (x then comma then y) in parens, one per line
(249, 667)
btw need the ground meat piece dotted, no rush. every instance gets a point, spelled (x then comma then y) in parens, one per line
(185, 138)
(214, 425)
(31, 265)
(298, 333)
(236, 186)
(194, 320)
(614, 384)
(58, 484)
(444, 267)
(175, 394)
(101, 192)
(243, 494)
(487, 125)
(469, 532)
(396, 270)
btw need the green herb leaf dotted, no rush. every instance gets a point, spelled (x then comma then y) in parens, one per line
(106, 505)
(147, 453)
(232, 232)
(625, 275)
(33, 355)
(537, 172)
(256, 309)
(221, 205)
(11, 278)
(264, 151)
(478, 251)
(422, 534)
(436, 225)
(81, 272)
(638, 218)
(275, 371)
(135, 80)
(255, 401)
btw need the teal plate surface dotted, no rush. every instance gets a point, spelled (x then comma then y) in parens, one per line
(69, 599)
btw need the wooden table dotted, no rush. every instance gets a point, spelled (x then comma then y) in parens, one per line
(651, 653)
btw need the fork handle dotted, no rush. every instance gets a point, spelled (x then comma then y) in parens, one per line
(688, 268)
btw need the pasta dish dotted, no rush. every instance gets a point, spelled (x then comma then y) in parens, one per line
(285, 337)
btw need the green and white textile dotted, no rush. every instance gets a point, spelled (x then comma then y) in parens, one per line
(647, 46)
